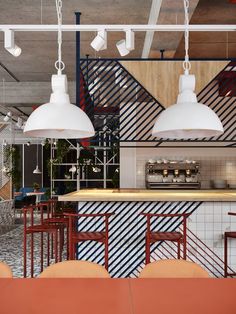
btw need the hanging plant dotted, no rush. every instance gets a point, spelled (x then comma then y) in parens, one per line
(62, 148)
(12, 165)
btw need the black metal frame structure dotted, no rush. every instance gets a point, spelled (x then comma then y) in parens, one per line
(113, 99)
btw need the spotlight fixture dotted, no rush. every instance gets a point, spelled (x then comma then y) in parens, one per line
(100, 41)
(9, 43)
(19, 122)
(5, 169)
(23, 125)
(8, 116)
(4, 143)
(28, 143)
(126, 45)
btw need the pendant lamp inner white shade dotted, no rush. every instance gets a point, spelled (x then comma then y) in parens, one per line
(59, 118)
(187, 118)
(37, 170)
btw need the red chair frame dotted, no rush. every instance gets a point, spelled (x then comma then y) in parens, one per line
(155, 236)
(76, 236)
(228, 235)
(56, 218)
(41, 228)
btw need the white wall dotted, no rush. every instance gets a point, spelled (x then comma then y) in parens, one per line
(215, 163)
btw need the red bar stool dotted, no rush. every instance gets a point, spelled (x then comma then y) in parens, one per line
(228, 235)
(174, 236)
(31, 228)
(76, 236)
(56, 217)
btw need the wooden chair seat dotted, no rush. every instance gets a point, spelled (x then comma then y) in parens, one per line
(42, 228)
(86, 236)
(165, 236)
(55, 220)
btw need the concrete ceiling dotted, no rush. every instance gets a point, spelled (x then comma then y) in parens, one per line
(212, 44)
(39, 50)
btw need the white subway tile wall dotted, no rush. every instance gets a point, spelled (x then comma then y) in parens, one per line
(205, 238)
(211, 168)
(211, 219)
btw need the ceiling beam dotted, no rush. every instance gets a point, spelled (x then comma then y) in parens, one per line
(118, 28)
(153, 18)
(30, 93)
(9, 72)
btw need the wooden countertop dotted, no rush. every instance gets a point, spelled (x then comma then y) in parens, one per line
(123, 195)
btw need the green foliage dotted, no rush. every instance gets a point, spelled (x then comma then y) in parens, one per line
(70, 186)
(36, 186)
(62, 149)
(12, 163)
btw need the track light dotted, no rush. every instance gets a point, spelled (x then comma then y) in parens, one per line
(19, 122)
(23, 125)
(100, 41)
(124, 46)
(8, 116)
(5, 169)
(4, 143)
(9, 43)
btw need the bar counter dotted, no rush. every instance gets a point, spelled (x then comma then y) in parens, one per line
(207, 222)
(127, 195)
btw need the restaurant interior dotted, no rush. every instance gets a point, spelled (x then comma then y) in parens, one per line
(117, 156)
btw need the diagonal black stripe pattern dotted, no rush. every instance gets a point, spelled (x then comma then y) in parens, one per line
(127, 232)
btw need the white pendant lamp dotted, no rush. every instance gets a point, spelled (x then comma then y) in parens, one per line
(59, 118)
(37, 170)
(187, 118)
(73, 169)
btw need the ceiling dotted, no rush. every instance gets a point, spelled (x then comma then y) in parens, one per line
(39, 49)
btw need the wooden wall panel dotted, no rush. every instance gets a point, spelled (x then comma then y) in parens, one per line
(161, 78)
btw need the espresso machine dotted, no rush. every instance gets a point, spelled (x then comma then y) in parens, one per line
(172, 175)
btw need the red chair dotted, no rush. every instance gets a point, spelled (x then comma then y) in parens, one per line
(228, 235)
(31, 228)
(56, 217)
(76, 236)
(174, 236)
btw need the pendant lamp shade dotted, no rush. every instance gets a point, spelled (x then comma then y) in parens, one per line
(187, 118)
(59, 118)
(37, 170)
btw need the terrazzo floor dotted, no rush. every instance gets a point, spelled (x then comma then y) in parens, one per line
(11, 251)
